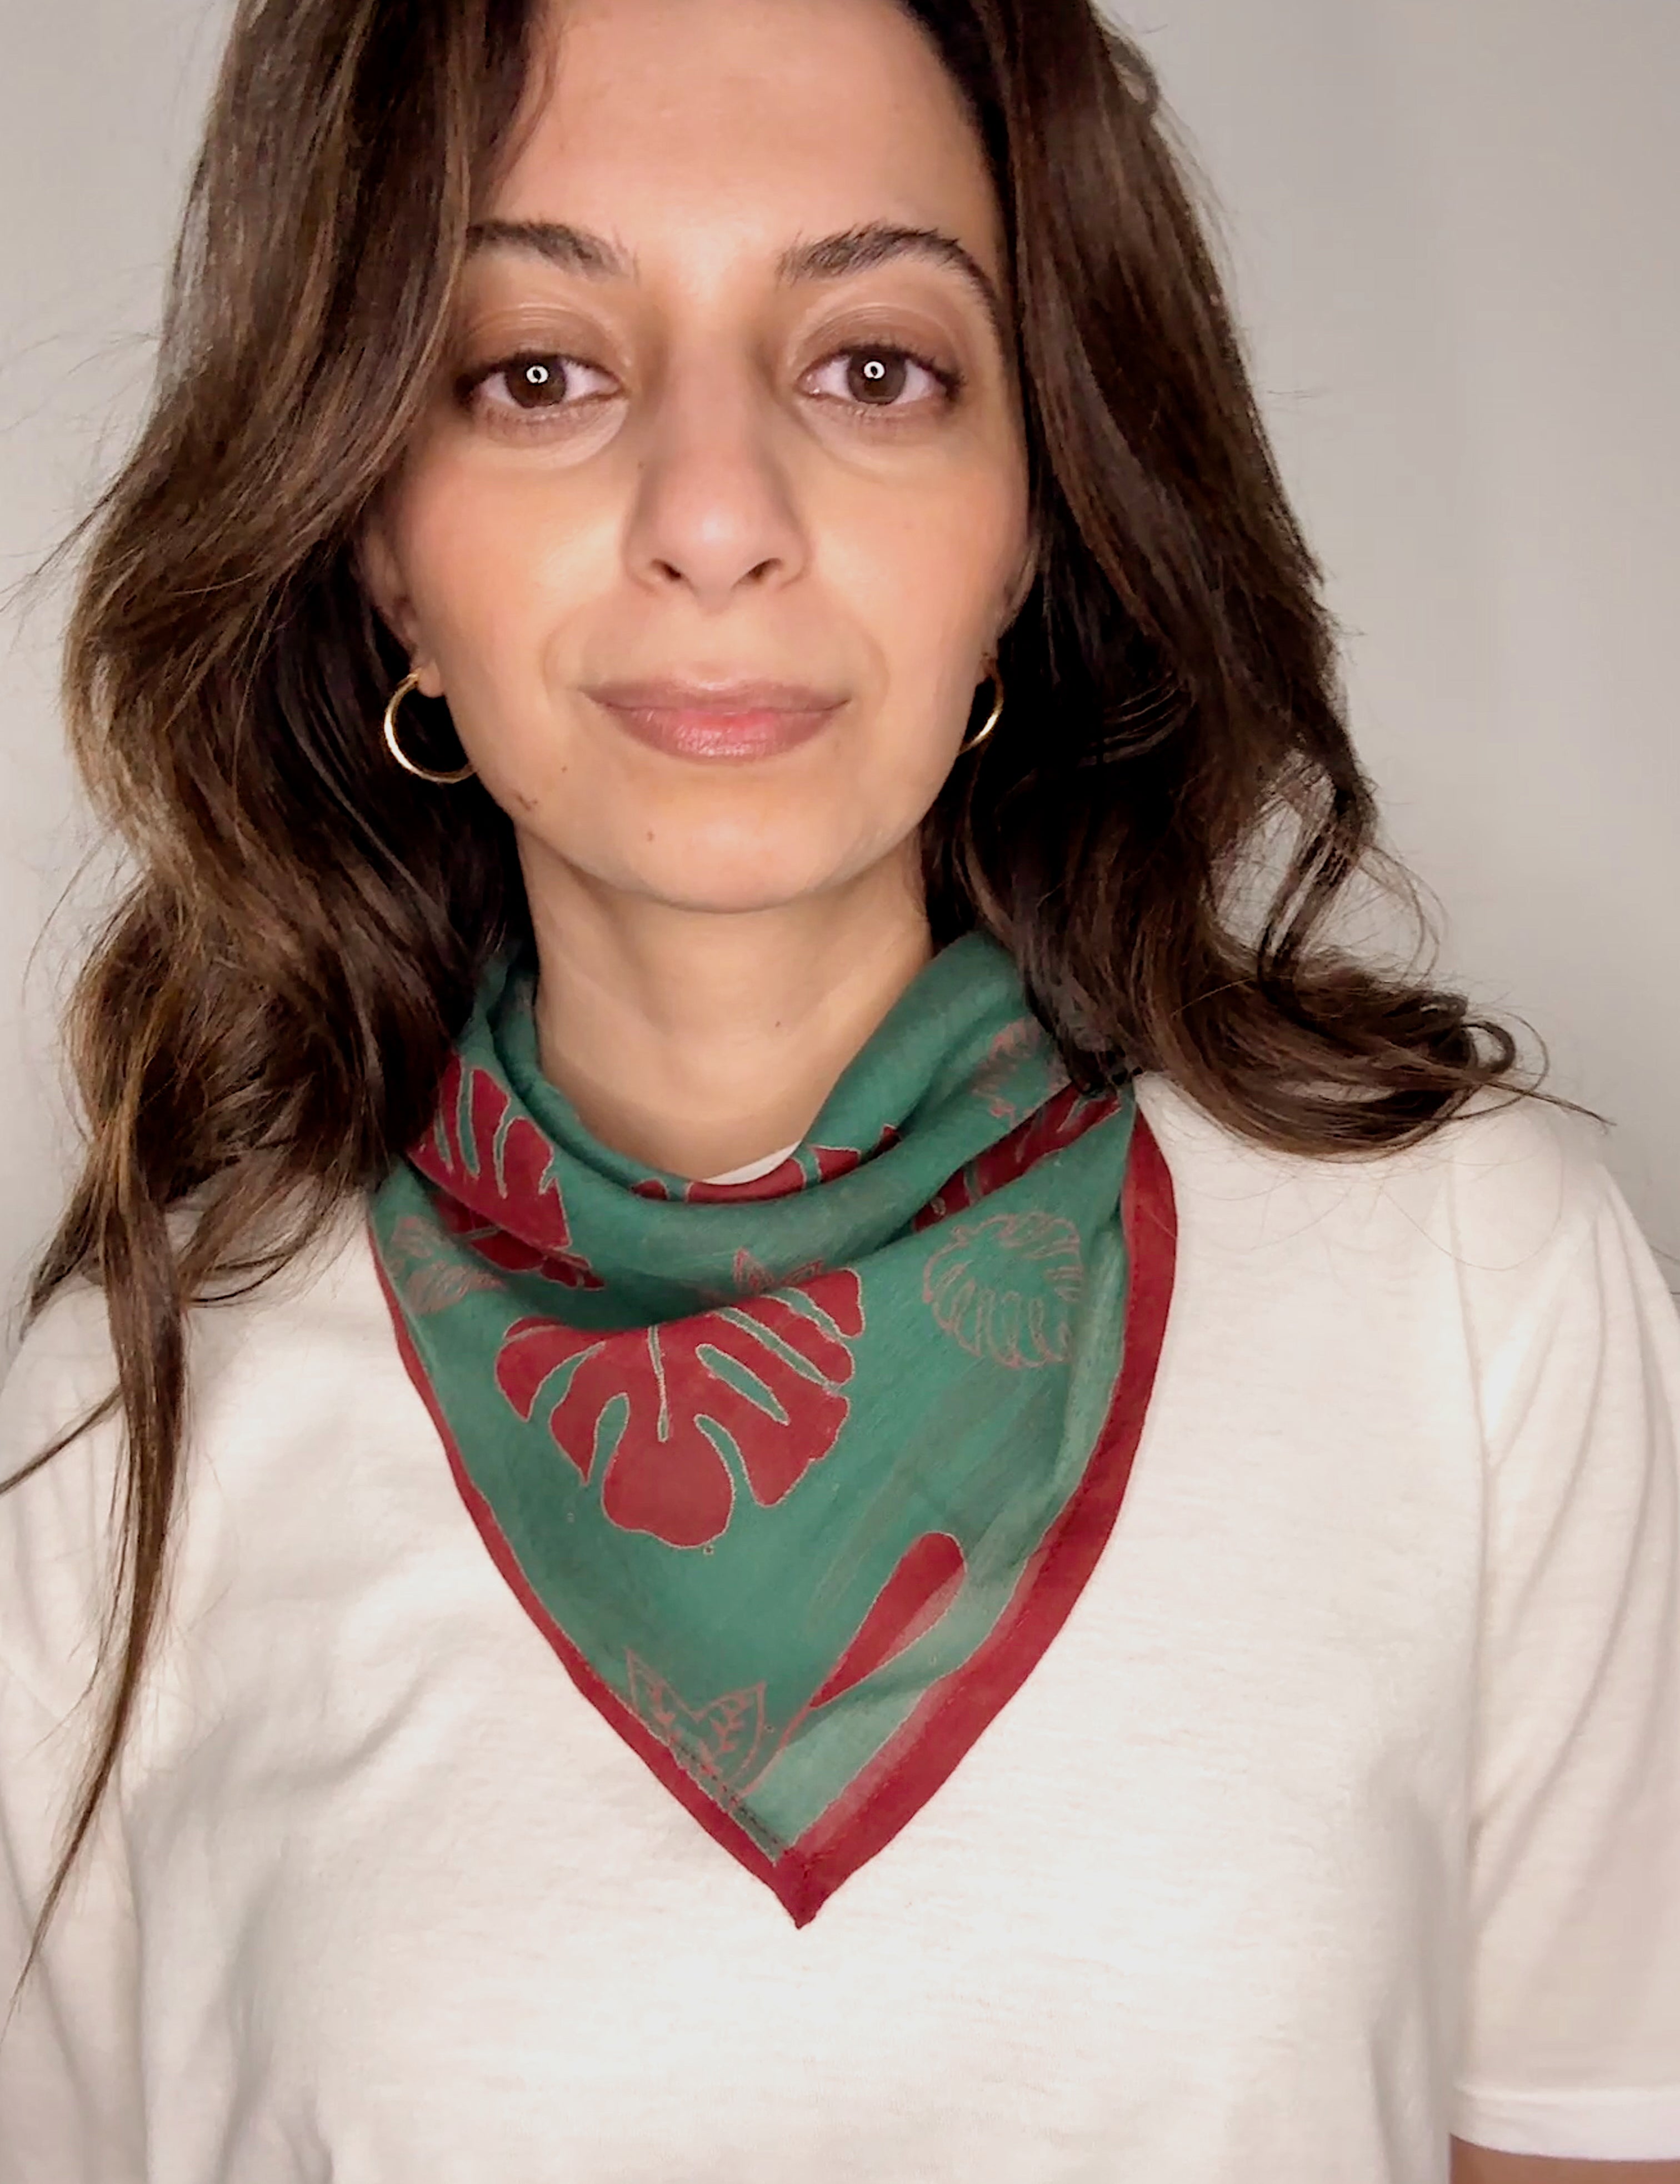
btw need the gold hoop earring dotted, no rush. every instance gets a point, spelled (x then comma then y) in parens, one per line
(421, 772)
(993, 718)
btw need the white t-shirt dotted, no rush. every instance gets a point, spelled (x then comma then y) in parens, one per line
(1342, 1813)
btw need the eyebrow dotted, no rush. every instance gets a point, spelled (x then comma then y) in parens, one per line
(830, 258)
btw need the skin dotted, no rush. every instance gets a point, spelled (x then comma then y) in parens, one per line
(716, 940)
(1476, 2165)
(706, 495)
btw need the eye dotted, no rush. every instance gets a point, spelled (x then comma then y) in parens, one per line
(875, 379)
(529, 383)
(887, 379)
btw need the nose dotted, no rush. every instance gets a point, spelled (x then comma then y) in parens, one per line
(714, 511)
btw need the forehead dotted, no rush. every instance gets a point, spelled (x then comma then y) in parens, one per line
(720, 129)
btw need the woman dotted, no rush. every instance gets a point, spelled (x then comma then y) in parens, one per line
(815, 1470)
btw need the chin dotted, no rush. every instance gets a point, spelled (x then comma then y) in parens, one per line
(738, 880)
(714, 862)
(730, 861)
(735, 892)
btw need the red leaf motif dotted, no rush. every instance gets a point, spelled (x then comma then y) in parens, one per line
(766, 1372)
(788, 1176)
(928, 1577)
(505, 1203)
(841, 1159)
(1005, 1288)
(1059, 1123)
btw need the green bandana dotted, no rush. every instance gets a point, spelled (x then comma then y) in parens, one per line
(799, 1477)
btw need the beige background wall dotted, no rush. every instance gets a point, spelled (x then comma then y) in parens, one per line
(1451, 226)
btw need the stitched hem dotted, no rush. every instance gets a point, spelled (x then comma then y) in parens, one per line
(1637, 2124)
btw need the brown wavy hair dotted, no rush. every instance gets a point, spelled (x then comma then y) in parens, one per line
(260, 1030)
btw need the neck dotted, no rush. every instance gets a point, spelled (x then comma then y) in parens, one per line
(701, 1040)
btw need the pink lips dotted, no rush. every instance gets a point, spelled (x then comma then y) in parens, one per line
(740, 720)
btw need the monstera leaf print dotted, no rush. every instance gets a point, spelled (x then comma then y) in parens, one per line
(1014, 1077)
(1005, 1288)
(762, 1378)
(430, 1274)
(505, 1203)
(1061, 1119)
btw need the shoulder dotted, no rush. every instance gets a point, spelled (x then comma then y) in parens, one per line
(298, 1332)
(1464, 1242)
(1506, 1179)
(56, 1522)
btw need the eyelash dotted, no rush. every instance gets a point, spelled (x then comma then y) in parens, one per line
(872, 416)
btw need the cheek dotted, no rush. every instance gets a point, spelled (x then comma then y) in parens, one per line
(939, 534)
(925, 579)
(497, 570)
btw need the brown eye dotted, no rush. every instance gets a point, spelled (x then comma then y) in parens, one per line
(535, 382)
(883, 379)
(876, 375)
(532, 385)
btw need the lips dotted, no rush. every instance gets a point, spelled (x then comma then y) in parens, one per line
(737, 696)
(718, 720)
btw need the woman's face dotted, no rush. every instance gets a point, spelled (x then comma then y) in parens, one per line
(728, 403)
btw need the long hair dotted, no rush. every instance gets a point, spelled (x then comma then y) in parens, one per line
(260, 1031)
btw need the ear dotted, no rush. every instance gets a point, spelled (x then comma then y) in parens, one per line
(381, 575)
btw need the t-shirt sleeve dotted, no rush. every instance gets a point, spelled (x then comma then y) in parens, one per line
(71, 2110)
(1571, 2032)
